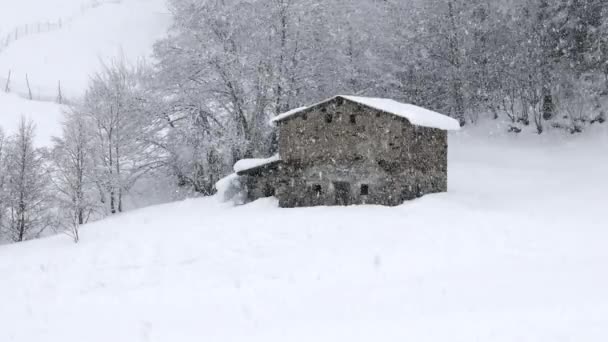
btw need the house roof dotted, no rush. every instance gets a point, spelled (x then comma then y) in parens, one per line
(415, 115)
(244, 166)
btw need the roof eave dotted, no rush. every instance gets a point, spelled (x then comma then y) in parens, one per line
(296, 114)
(259, 167)
(347, 98)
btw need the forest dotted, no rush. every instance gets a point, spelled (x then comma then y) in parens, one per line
(203, 101)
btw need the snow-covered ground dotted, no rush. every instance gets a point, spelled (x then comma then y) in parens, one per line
(516, 251)
(46, 115)
(92, 32)
(18, 13)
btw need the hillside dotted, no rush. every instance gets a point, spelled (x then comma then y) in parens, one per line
(90, 32)
(17, 13)
(113, 29)
(46, 115)
(516, 251)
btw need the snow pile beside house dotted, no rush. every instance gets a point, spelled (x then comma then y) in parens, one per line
(230, 189)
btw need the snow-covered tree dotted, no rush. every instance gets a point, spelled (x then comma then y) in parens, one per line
(120, 148)
(73, 174)
(26, 180)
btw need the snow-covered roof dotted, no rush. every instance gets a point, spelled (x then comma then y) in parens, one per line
(248, 164)
(415, 115)
(289, 113)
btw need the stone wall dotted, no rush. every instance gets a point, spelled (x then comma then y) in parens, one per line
(377, 153)
(262, 182)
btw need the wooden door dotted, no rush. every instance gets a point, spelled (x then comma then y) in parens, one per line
(342, 193)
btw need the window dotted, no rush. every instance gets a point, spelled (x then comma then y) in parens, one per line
(364, 189)
(353, 119)
(317, 190)
(329, 118)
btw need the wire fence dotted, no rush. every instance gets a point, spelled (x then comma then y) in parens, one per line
(26, 87)
(28, 30)
(40, 27)
(23, 85)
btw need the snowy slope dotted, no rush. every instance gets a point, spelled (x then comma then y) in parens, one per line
(14, 14)
(91, 31)
(46, 115)
(516, 251)
(110, 29)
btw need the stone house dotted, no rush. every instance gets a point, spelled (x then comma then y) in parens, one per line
(352, 150)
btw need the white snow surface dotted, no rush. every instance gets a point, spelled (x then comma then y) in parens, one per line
(111, 29)
(93, 32)
(46, 116)
(415, 115)
(229, 189)
(17, 13)
(515, 251)
(247, 164)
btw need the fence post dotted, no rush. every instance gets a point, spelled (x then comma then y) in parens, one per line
(29, 89)
(59, 94)
(7, 87)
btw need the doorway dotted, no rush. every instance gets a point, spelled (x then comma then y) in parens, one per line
(342, 193)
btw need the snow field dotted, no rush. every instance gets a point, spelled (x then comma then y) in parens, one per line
(514, 252)
(111, 29)
(17, 13)
(46, 115)
(93, 32)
